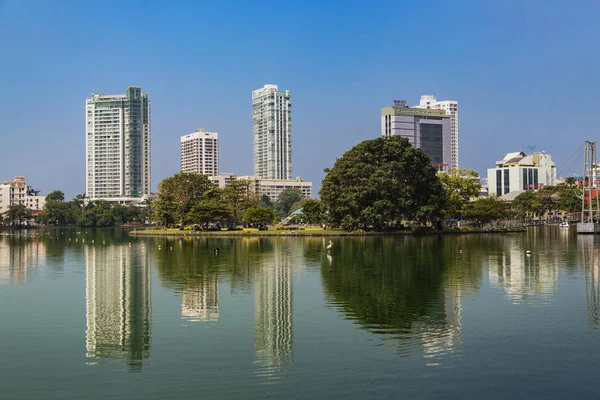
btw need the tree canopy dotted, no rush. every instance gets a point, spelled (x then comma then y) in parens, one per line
(461, 186)
(176, 196)
(486, 209)
(382, 181)
(56, 195)
(287, 198)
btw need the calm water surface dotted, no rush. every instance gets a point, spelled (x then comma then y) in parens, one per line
(97, 314)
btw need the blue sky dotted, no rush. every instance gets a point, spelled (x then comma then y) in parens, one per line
(524, 73)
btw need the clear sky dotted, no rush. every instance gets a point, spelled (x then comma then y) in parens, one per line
(524, 73)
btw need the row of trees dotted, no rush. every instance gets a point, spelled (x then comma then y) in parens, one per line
(187, 199)
(99, 213)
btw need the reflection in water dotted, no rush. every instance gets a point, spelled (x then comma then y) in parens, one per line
(407, 289)
(19, 256)
(273, 291)
(200, 300)
(590, 260)
(523, 276)
(118, 304)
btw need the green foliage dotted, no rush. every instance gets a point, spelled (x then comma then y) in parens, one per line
(212, 208)
(259, 215)
(56, 195)
(265, 201)
(549, 199)
(240, 196)
(382, 181)
(460, 186)
(286, 200)
(100, 213)
(17, 214)
(485, 209)
(176, 196)
(312, 212)
(59, 213)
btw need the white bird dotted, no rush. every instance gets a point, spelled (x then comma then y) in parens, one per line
(330, 245)
(528, 252)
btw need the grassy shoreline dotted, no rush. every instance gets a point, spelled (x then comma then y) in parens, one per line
(309, 232)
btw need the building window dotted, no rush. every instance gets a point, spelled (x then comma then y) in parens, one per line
(499, 182)
(525, 179)
(506, 181)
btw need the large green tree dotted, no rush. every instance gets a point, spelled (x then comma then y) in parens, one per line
(177, 194)
(312, 211)
(56, 195)
(486, 209)
(17, 214)
(240, 195)
(287, 198)
(461, 186)
(259, 215)
(382, 181)
(212, 208)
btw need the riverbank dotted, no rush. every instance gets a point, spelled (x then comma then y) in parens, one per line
(314, 232)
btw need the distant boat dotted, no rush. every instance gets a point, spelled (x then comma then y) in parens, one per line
(564, 224)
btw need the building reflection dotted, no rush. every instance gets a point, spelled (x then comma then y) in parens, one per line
(523, 276)
(590, 260)
(118, 304)
(19, 257)
(200, 300)
(273, 308)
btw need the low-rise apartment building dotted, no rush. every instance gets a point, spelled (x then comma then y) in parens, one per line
(17, 192)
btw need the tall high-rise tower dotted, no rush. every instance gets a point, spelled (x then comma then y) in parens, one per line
(118, 146)
(451, 108)
(272, 120)
(200, 153)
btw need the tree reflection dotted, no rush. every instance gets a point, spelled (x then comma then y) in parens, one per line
(408, 289)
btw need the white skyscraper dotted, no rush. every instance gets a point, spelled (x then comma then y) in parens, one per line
(200, 153)
(271, 117)
(451, 108)
(118, 146)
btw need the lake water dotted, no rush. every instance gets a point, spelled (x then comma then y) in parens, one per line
(97, 314)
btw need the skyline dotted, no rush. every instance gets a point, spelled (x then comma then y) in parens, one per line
(522, 73)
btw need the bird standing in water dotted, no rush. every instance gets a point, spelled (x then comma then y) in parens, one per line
(330, 245)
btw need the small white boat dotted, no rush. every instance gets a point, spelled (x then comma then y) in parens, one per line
(564, 224)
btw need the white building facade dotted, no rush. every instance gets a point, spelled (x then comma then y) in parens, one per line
(518, 172)
(200, 153)
(426, 129)
(273, 187)
(451, 108)
(118, 146)
(272, 121)
(17, 192)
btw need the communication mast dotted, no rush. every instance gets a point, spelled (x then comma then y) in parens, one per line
(588, 224)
